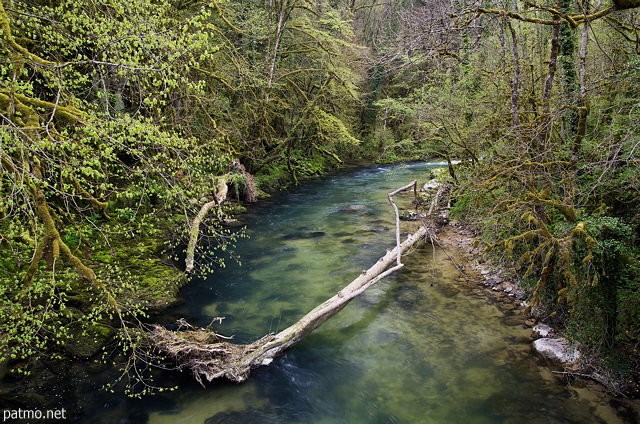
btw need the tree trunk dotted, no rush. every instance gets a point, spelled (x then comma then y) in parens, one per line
(516, 79)
(284, 10)
(194, 232)
(545, 118)
(250, 195)
(209, 356)
(583, 107)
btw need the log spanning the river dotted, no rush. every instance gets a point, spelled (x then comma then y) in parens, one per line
(211, 356)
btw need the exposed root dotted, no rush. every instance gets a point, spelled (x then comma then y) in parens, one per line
(209, 355)
(205, 353)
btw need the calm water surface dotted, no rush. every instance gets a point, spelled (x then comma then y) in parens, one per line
(422, 346)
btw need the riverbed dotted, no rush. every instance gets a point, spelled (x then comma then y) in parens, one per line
(422, 346)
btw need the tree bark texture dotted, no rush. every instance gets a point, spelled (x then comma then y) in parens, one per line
(545, 117)
(222, 190)
(194, 232)
(516, 78)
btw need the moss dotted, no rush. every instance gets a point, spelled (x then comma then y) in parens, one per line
(86, 341)
(104, 257)
(157, 289)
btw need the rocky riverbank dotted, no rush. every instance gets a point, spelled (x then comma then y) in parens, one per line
(563, 360)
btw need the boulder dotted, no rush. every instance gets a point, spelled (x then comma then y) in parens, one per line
(557, 350)
(409, 216)
(431, 186)
(87, 341)
(542, 330)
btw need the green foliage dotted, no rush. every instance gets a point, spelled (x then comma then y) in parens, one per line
(301, 69)
(332, 132)
(605, 267)
(460, 208)
(98, 152)
(119, 118)
(551, 142)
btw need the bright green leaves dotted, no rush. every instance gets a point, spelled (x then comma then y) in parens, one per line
(332, 131)
(99, 107)
(293, 58)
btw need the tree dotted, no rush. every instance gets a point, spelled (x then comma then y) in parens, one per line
(209, 355)
(565, 231)
(89, 162)
(519, 91)
(300, 70)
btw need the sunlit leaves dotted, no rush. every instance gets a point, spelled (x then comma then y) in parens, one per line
(92, 159)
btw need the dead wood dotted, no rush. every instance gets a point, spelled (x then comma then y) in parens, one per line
(220, 196)
(211, 356)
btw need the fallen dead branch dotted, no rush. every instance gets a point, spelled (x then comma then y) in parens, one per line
(220, 196)
(211, 356)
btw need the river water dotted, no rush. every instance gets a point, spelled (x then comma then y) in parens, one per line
(419, 347)
(422, 346)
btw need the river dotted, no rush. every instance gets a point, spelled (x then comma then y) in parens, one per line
(422, 346)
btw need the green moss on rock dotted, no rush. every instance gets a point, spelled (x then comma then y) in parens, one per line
(86, 341)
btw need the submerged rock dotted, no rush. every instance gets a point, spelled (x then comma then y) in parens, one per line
(87, 341)
(232, 222)
(353, 208)
(380, 228)
(303, 235)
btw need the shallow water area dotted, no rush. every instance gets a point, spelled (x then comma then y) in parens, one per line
(421, 346)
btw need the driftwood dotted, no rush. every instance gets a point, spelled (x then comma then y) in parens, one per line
(194, 232)
(210, 356)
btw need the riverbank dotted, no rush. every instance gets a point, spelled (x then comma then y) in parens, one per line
(457, 240)
(460, 357)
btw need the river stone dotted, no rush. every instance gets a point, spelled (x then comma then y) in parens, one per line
(298, 235)
(353, 208)
(85, 342)
(542, 330)
(409, 216)
(380, 228)
(557, 350)
(431, 185)
(232, 222)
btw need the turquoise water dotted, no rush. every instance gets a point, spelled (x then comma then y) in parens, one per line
(421, 346)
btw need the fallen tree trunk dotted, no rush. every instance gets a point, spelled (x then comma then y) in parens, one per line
(210, 356)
